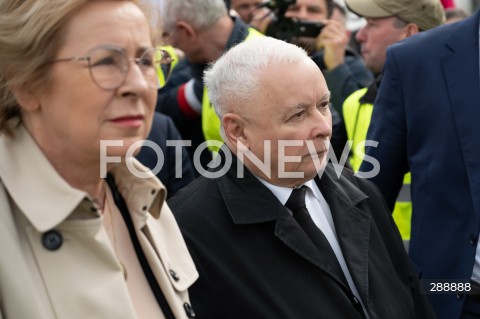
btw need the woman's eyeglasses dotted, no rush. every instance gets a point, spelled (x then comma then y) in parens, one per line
(109, 66)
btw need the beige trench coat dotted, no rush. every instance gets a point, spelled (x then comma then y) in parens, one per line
(81, 279)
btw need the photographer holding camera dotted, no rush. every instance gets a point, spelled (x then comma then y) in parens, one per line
(344, 70)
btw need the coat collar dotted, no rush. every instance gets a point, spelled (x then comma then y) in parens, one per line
(234, 190)
(47, 199)
(461, 69)
(463, 33)
(352, 223)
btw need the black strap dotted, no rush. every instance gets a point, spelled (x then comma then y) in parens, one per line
(152, 281)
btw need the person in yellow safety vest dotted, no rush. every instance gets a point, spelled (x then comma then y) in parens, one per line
(357, 112)
(210, 119)
(388, 21)
(203, 37)
(164, 74)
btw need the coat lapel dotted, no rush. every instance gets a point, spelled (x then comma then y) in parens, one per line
(263, 206)
(292, 235)
(352, 225)
(461, 68)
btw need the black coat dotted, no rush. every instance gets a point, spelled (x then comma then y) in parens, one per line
(255, 261)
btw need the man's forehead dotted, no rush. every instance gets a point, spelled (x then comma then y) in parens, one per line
(315, 3)
(238, 2)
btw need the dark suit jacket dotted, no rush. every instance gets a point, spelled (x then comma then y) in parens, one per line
(427, 120)
(255, 261)
(164, 130)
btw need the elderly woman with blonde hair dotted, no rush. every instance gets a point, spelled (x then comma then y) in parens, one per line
(76, 243)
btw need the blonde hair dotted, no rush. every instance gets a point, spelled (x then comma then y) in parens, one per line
(31, 33)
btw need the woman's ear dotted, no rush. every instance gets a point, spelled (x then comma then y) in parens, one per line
(25, 97)
(234, 131)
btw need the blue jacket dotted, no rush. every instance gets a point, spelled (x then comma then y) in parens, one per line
(426, 120)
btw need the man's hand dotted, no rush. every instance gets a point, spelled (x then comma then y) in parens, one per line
(333, 40)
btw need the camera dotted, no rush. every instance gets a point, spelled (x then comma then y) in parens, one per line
(285, 28)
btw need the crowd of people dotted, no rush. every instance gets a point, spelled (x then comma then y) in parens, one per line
(239, 159)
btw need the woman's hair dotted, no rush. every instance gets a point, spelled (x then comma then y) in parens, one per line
(31, 33)
(236, 75)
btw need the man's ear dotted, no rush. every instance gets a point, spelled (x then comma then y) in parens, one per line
(412, 29)
(234, 130)
(185, 31)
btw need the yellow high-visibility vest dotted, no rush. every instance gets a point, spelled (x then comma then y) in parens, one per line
(173, 54)
(357, 117)
(210, 119)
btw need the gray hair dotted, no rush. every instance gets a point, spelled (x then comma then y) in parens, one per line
(201, 14)
(235, 76)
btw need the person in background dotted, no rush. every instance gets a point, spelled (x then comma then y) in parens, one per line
(203, 30)
(277, 233)
(175, 170)
(344, 70)
(339, 13)
(82, 236)
(388, 21)
(448, 4)
(245, 8)
(426, 121)
(455, 14)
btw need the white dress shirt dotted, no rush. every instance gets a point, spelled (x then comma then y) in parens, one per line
(322, 217)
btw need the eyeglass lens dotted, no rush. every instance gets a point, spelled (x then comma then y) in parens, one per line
(109, 67)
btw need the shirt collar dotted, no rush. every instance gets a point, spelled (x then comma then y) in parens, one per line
(283, 193)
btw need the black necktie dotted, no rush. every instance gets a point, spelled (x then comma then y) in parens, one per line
(296, 203)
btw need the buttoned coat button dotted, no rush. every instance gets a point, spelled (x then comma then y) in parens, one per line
(189, 310)
(174, 275)
(473, 240)
(52, 240)
(355, 300)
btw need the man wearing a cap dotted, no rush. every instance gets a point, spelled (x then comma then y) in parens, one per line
(388, 21)
(426, 120)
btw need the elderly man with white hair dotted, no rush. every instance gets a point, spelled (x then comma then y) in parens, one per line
(275, 231)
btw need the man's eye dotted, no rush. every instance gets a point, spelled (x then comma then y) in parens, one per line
(324, 105)
(315, 10)
(298, 115)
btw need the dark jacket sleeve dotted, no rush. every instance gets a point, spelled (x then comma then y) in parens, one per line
(168, 99)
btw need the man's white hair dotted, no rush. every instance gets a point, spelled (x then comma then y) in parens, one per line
(201, 14)
(235, 76)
